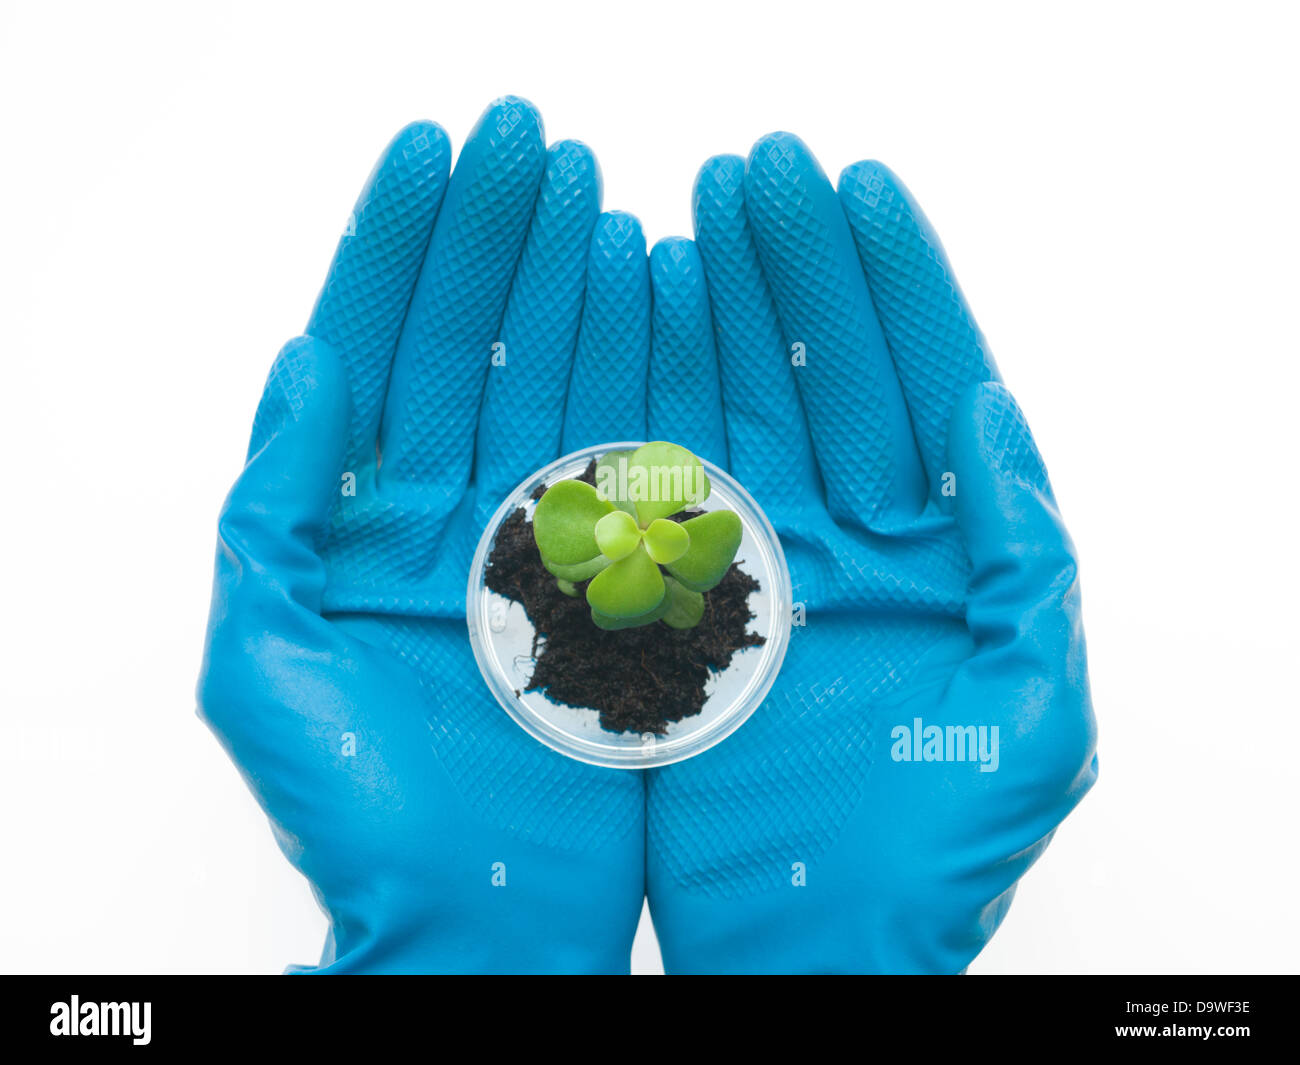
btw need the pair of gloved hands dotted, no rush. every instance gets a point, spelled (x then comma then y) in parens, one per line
(817, 346)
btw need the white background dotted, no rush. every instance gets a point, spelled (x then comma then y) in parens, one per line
(1115, 184)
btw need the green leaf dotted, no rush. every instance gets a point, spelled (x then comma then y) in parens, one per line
(609, 484)
(666, 541)
(604, 621)
(685, 607)
(581, 572)
(628, 588)
(617, 535)
(715, 539)
(564, 523)
(663, 479)
(567, 587)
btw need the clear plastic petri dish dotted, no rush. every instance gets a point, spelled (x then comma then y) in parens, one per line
(501, 635)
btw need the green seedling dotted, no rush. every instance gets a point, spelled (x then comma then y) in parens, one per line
(642, 566)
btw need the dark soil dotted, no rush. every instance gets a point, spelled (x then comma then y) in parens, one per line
(640, 680)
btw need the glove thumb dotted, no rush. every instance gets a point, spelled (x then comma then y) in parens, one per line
(1023, 607)
(279, 509)
(1030, 667)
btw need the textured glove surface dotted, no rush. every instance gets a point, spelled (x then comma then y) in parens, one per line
(831, 363)
(853, 394)
(436, 835)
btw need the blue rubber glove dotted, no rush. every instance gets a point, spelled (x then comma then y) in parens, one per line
(437, 835)
(863, 411)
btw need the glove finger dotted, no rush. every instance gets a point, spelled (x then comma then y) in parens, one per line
(937, 347)
(684, 403)
(768, 447)
(279, 509)
(362, 305)
(522, 418)
(607, 389)
(856, 414)
(431, 412)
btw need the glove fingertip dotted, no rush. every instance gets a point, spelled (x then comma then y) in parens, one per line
(779, 151)
(299, 432)
(512, 116)
(618, 236)
(996, 426)
(307, 379)
(421, 139)
(719, 189)
(571, 165)
(673, 255)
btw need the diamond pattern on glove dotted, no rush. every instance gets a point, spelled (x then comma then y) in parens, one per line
(685, 394)
(458, 303)
(607, 392)
(365, 297)
(514, 783)
(284, 395)
(730, 822)
(815, 298)
(764, 415)
(523, 409)
(937, 348)
(1008, 442)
